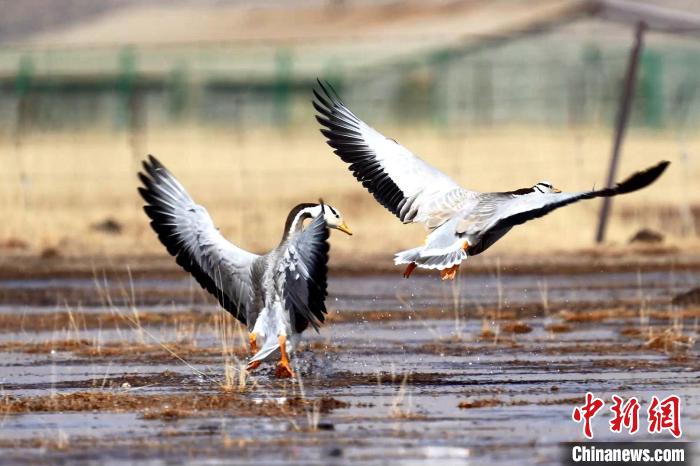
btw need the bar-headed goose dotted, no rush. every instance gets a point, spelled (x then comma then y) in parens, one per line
(462, 223)
(276, 295)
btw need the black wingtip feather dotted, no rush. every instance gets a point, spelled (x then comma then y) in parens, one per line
(341, 128)
(333, 94)
(154, 161)
(153, 171)
(323, 105)
(641, 179)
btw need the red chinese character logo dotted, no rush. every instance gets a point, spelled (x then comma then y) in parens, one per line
(626, 415)
(665, 415)
(587, 412)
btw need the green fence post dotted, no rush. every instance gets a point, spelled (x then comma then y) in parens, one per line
(23, 84)
(651, 88)
(178, 92)
(439, 62)
(125, 85)
(25, 73)
(594, 102)
(283, 86)
(482, 88)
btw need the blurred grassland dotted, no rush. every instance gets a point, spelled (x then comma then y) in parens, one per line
(56, 185)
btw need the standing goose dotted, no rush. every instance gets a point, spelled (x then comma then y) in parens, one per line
(462, 223)
(276, 295)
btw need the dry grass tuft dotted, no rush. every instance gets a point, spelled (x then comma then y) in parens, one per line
(669, 340)
(558, 328)
(51, 321)
(86, 348)
(480, 403)
(163, 406)
(518, 327)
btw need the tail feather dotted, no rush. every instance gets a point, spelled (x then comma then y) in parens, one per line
(443, 261)
(442, 249)
(266, 352)
(422, 257)
(408, 256)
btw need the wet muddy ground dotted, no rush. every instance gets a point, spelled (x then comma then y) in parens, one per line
(483, 371)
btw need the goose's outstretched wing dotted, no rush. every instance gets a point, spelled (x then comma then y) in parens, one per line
(399, 180)
(188, 233)
(304, 269)
(497, 211)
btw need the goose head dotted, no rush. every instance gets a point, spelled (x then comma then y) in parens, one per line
(334, 218)
(303, 212)
(545, 187)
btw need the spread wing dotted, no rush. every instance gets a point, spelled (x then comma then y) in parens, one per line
(497, 211)
(188, 233)
(399, 180)
(304, 268)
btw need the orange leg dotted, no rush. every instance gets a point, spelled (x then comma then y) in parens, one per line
(252, 338)
(283, 370)
(409, 270)
(449, 274)
(253, 365)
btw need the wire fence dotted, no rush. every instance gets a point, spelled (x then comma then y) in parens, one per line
(529, 81)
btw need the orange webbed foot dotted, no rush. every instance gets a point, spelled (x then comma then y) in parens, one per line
(283, 369)
(253, 365)
(449, 274)
(409, 270)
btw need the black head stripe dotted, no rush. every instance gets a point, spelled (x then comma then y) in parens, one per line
(519, 192)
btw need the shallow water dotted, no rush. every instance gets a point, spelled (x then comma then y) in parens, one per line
(379, 292)
(403, 378)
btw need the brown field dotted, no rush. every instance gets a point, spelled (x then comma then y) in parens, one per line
(56, 186)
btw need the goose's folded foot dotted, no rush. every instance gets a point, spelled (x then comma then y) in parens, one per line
(449, 274)
(409, 270)
(465, 246)
(252, 338)
(253, 365)
(283, 369)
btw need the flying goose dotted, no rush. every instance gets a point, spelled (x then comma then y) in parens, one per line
(461, 223)
(276, 295)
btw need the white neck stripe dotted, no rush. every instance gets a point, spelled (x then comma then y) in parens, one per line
(302, 214)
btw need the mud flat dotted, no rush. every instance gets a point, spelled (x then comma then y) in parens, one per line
(144, 369)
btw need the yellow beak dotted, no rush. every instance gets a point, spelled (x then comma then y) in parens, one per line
(344, 228)
(556, 190)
